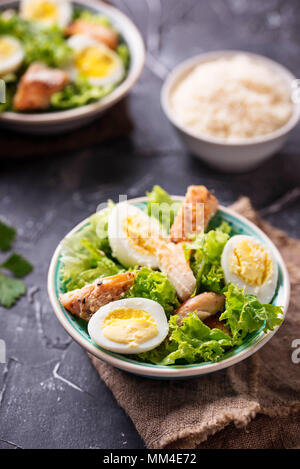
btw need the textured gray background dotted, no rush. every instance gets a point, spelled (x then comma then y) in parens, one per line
(50, 396)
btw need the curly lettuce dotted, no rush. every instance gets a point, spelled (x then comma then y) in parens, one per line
(46, 45)
(194, 342)
(155, 286)
(78, 94)
(86, 255)
(244, 314)
(162, 207)
(205, 258)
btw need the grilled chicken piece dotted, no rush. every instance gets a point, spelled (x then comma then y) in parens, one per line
(84, 302)
(37, 85)
(172, 262)
(192, 217)
(213, 322)
(204, 305)
(99, 32)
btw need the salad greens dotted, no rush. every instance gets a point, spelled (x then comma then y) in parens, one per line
(87, 255)
(194, 342)
(11, 289)
(162, 207)
(245, 314)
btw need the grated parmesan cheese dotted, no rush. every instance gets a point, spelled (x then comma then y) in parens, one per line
(232, 98)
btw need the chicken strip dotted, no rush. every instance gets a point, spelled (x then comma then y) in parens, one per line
(196, 211)
(37, 85)
(172, 262)
(99, 32)
(84, 302)
(204, 305)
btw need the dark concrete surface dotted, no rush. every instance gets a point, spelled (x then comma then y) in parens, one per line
(50, 396)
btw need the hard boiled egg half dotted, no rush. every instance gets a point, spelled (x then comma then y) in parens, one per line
(95, 61)
(132, 325)
(11, 54)
(250, 264)
(47, 12)
(133, 236)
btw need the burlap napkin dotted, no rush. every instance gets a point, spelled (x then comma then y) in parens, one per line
(114, 123)
(261, 393)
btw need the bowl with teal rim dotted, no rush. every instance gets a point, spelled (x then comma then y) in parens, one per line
(78, 328)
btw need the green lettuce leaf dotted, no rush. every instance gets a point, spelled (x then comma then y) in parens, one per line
(193, 342)
(155, 286)
(205, 258)
(86, 255)
(78, 94)
(162, 207)
(245, 314)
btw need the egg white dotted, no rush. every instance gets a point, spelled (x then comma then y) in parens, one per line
(64, 11)
(13, 61)
(264, 292)
(154, 309)
(121, 247)
(79, 42)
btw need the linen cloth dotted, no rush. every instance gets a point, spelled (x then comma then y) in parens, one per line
(254, 404)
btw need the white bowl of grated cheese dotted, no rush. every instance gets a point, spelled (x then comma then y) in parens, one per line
(232, 109)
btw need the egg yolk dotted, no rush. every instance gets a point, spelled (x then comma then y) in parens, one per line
(139, 234)
(129, 326)
(94, 62)
(6, 49)
(251, 263)
(41, 10)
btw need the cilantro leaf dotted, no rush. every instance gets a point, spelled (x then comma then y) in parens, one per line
(10, 290)
(18, 265)
(7, 236)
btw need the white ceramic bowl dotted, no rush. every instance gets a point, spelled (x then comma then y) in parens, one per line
(232, 157)
(77, 328)
(62, 121)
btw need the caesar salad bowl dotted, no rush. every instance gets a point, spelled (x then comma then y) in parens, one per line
(55, 122)
(251, 344)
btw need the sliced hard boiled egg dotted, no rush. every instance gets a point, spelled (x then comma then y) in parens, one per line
(47, 12)
(132, 325)
(95, 61)
(133, 236)
(250, 264)
(11, 54)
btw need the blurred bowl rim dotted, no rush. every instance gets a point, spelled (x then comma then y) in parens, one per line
(101, 105)
(183, 68)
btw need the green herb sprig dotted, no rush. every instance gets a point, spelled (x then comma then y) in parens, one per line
(11, 289)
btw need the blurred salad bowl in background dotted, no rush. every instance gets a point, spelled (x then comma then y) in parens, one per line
(64, 63)
(168, 306)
